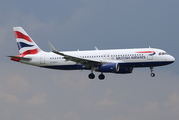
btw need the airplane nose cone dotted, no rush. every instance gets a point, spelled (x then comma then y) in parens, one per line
(172, 58)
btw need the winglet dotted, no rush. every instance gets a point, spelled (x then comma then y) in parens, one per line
(54, 50)
(51, 47)
(95, 47)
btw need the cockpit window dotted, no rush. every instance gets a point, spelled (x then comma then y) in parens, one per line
(163, 53)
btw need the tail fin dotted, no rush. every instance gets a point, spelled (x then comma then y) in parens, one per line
(25, 43)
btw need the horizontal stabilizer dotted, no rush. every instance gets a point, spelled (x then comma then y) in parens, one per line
(17, 59)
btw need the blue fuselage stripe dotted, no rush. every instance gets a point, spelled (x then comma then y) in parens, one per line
(123, 65)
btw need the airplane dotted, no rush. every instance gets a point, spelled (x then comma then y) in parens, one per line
(119, 61)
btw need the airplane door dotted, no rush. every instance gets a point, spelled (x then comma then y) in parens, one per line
(150, 56)
(42, 59)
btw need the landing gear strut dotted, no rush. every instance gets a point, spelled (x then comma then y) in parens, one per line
(91, 75)
(101, 76)
(152, 74)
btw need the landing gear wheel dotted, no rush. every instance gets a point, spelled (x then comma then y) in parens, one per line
(101, 77)
(91, 76)
(152, 74)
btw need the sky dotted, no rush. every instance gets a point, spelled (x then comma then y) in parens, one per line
(28, 92)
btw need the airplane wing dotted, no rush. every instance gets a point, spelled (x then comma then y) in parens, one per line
(86, 62)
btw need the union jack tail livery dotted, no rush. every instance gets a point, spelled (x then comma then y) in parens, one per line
(25, 43)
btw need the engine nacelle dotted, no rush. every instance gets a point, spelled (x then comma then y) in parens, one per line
(108, 67)
(125, 70)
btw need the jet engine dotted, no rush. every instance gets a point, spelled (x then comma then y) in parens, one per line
(108, 67)
(125, 70)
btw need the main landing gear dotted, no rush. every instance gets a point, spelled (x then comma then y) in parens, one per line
(152, 74)
(101, 76)
(92, 76)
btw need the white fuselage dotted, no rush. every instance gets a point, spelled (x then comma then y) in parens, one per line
(124, 57)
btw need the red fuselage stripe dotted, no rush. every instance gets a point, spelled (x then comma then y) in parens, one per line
(146, 52)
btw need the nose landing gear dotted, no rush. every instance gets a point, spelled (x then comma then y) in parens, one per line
(152, 74)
